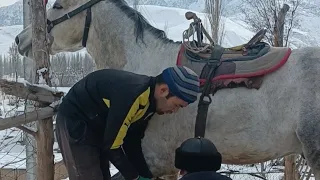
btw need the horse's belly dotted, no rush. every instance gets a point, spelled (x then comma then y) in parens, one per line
(247, 158)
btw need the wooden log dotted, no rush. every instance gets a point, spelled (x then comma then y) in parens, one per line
(290, 172)
(30, 91)
(28, 117)
(40, 51)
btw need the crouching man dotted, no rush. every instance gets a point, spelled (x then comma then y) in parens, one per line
(198, 158)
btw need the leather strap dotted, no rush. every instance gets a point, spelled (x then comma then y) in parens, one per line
(86, 28)
(201, 119)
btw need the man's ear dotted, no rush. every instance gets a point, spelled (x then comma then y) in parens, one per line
(163, 90)
(182, 172)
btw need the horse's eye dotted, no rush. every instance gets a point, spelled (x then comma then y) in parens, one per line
(57, 6)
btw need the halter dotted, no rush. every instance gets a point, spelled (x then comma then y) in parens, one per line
(87, 6)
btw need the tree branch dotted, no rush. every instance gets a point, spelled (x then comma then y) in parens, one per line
(28, 117)
(29, 91)
(27, 130)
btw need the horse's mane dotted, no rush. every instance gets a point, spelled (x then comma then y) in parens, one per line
(141, 24)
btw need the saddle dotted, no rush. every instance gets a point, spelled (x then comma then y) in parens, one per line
(239, 66)
(220, 67)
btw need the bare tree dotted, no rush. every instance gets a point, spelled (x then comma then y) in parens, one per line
(278, 17)
(88, 64)
(166, 27)
(15, 60)
(59, 67)
(213, 10)
(1, 67)
(135, 4)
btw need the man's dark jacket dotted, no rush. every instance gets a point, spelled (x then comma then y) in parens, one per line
(110, 101)
(205, 175)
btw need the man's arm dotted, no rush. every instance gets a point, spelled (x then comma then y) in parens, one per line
(121, 162)
(133, 150)
(120, 116)
(120, 113)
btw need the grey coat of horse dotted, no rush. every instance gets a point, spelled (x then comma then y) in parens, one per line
(247, 125)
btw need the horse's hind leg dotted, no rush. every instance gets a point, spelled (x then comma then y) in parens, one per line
(308, 132)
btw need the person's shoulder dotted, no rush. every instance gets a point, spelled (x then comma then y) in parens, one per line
(126, 83)
(207, 175)
(119, 78)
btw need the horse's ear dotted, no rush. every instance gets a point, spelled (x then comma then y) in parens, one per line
(57, 5)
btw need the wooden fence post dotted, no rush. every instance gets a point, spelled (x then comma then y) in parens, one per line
(44, 137)
(290, 172)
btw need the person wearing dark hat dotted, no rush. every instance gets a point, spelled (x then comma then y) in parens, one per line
(198, 158)
(103, 118)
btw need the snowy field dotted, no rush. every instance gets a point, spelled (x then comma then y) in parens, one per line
(12, 153)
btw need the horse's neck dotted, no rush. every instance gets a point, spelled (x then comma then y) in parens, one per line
(151, 58)
(125, 52)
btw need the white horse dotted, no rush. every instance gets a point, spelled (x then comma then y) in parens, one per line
(247, 125)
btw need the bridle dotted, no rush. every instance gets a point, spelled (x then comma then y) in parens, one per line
(87, 6)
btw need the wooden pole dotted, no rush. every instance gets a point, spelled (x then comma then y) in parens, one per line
(290, 171)
(44, 137)
(279, 25)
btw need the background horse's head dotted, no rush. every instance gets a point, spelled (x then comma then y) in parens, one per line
(64, 33)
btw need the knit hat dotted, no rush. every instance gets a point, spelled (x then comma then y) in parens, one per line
(182, 82)
(197, 154)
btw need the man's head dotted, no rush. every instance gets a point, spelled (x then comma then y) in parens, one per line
(196, 155)
(176, 87)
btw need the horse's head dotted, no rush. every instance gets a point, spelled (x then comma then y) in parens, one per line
(64, 33)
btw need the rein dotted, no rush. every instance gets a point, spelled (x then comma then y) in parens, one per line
(87, 6)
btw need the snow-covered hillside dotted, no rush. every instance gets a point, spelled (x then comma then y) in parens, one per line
(160, 17)
(7, 35)
(7, 2)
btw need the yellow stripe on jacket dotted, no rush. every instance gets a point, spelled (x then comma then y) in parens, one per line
(133, 115)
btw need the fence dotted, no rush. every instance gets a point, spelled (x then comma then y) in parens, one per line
(270, 170)
(21, 174)
(13, 157)
(303, 170)
(15, 162)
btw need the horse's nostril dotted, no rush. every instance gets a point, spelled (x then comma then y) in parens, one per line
(17, 40)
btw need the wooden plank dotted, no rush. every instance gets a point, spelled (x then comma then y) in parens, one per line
(29, 91)
(28, 117)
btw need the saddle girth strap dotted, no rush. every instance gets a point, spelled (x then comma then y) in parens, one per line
(201, 119)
